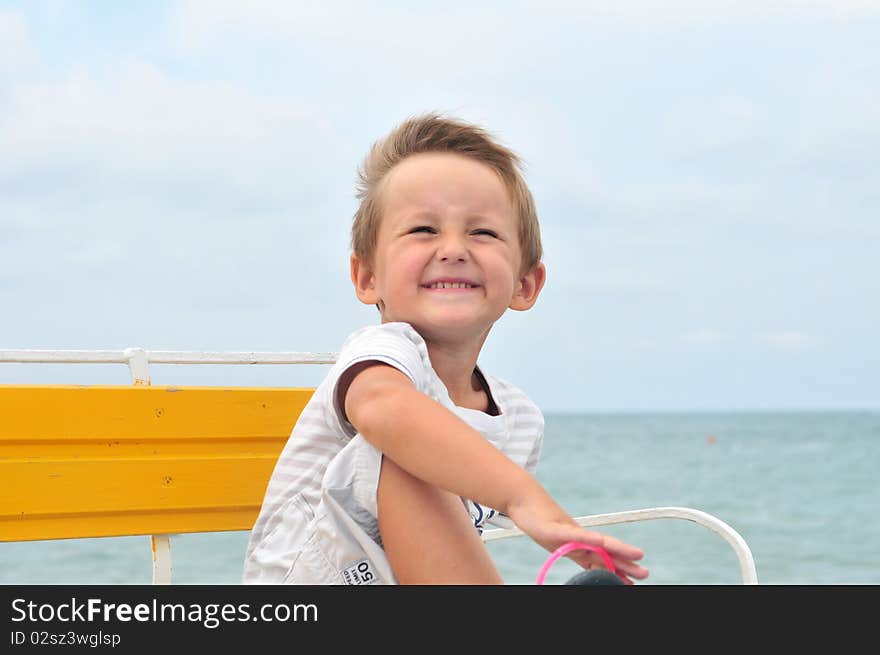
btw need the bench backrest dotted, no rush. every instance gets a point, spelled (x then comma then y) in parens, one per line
(95, 461)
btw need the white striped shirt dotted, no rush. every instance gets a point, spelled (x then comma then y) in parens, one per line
(318, 519)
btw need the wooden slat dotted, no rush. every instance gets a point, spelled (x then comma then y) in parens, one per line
(119, 460)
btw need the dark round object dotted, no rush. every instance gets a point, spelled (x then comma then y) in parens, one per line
(595, 577)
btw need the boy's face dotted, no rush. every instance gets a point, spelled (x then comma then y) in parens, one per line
(447, 257)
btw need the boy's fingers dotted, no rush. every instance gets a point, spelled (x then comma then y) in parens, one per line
(632, 569)
(622, 554)
(587, 560)
(624, 567)
(614, 546)
(626, 551)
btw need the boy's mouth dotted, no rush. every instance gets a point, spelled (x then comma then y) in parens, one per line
(455, 283)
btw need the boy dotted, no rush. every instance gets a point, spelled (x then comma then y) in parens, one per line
(407, 446)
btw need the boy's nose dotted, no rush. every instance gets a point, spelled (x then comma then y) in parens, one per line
(452, 248)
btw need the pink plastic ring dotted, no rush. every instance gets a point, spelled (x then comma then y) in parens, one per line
(566, 548)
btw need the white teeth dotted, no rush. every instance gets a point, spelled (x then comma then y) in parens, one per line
(451, 285)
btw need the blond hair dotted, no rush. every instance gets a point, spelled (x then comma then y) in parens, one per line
(432, 132)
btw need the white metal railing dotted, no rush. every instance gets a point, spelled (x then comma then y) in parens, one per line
(162, 357)
(139, 359)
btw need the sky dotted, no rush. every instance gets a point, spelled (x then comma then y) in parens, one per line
(180, 176)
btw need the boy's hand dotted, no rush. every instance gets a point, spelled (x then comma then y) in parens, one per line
(553, 531)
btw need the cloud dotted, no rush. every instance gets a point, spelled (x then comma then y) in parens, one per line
(15, 51)
(352, 36)
(722, 124)
(688, 11)
(199, 21)
(787, 340)
(705, 337)
(142, 134)
(620, 280)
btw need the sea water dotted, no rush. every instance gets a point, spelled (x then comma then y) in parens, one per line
(801, 488)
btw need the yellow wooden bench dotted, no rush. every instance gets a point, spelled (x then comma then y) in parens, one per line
(99, 461)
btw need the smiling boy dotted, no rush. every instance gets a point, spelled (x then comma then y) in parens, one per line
(408, 448)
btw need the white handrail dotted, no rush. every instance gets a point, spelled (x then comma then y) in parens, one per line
(163, 357)
(739, 545)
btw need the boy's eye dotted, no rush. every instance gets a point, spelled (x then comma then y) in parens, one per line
(486, 232)
(422, 228)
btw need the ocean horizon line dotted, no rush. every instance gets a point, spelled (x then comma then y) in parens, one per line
(679, 411)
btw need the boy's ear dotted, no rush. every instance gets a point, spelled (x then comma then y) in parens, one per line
(528, 288)
(364, 281)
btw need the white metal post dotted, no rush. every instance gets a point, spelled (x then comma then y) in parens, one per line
(160, 544)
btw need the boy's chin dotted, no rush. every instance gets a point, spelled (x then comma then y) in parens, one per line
(451, 329)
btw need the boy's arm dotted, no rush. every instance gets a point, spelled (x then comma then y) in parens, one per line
(433, 444)
(429, 441)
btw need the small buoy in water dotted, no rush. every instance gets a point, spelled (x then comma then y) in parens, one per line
(711, 439)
